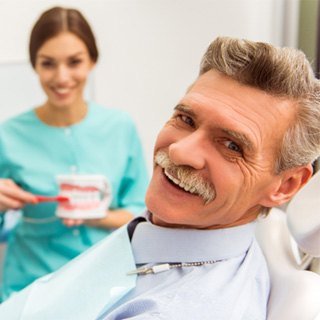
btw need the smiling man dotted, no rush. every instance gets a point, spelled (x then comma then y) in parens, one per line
(215, 158)
(241, 141)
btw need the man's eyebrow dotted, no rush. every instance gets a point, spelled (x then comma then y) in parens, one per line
(185, 109)
(241, 137)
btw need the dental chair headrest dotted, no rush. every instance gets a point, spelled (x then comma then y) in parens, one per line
(303, 214)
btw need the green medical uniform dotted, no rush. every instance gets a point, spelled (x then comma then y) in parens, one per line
(33, 154)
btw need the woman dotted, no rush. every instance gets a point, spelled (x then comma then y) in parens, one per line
(64, 135)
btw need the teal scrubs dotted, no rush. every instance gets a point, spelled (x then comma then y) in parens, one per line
(33, 154)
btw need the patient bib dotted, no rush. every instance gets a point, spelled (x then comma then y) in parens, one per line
(91, 282)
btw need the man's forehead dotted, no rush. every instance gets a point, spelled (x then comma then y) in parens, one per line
(209, 99)
(213, 88)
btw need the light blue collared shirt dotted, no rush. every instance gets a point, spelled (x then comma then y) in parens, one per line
(235, 287)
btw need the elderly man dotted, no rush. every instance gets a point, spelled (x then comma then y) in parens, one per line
(241, 141)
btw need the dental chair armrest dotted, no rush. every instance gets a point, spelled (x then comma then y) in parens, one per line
(303, 213)
(295, 293)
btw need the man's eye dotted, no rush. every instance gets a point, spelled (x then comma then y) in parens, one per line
(187, 120)
(233, 146)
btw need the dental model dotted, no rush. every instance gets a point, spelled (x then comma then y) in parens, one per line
(89, 197)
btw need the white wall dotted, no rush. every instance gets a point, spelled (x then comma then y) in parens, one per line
(150, 49)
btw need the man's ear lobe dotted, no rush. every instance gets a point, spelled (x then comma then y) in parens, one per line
(291, 182)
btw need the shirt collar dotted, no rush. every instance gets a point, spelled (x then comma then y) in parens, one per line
(154, 244)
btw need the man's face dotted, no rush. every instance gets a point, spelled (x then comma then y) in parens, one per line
(214, 159)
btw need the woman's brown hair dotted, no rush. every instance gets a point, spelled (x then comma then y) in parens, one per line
(57, 20)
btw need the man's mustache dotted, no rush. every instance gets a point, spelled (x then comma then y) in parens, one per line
(187, 176)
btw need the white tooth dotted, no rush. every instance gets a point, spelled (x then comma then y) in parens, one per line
(184, 187)
(192, 190)
(181, 185)
(187, 188)
(167, 174)
(176, 181)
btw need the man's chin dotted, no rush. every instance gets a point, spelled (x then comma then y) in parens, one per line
(162, 223)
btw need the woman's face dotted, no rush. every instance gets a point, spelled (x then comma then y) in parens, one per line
(63, 64)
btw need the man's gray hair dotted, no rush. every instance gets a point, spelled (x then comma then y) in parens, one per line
(282, 72)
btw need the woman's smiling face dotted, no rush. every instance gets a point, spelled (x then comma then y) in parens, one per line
(228, 134)
(63, 64)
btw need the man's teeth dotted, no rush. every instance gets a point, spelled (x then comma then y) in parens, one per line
(179, 183)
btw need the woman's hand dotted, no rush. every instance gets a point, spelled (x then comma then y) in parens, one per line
(73, 222)
(12, 196)
(114, 219)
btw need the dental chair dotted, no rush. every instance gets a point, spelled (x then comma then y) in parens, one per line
(290, 240)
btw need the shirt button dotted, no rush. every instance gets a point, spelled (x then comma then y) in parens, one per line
(75, 232)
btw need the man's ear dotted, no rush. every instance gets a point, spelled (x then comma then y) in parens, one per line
(291, 181)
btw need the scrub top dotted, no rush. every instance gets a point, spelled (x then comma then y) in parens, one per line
(32, 154)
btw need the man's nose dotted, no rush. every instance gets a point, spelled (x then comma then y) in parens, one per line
(189, 151)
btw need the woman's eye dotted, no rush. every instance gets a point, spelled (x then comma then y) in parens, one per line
(74, 62)
(187, 120)
(47, 64)
(233, 146)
